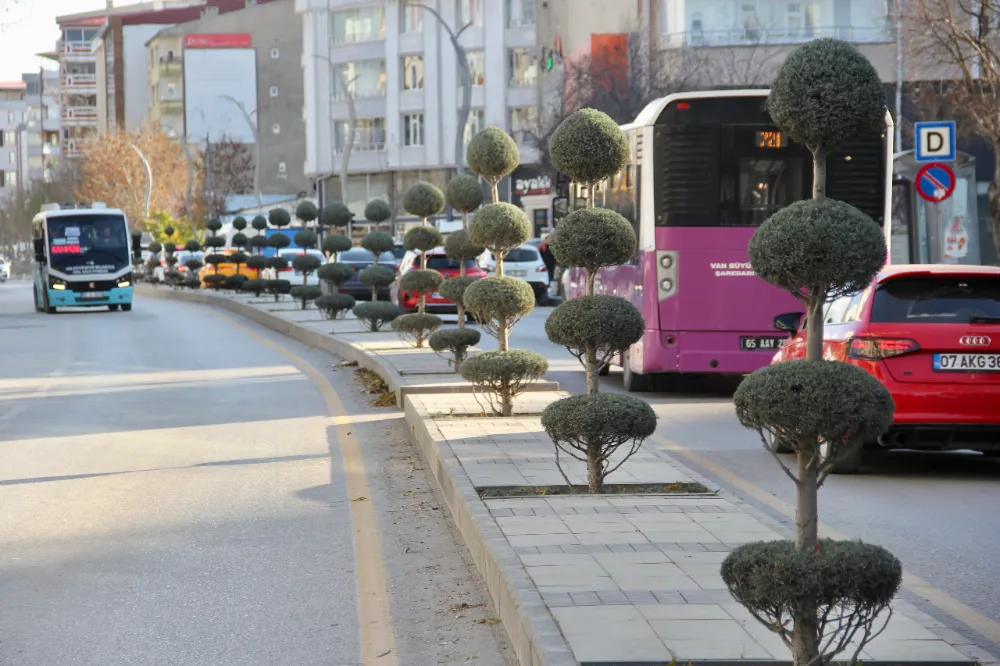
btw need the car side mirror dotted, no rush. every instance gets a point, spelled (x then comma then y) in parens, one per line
(39, 246)
(137, 246)
(790, 322)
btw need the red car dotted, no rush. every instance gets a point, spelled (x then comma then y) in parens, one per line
(931, 335)
(436, 260)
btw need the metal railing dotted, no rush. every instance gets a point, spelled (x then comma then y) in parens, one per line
(76, 48)
(79, 115)
(371, 147)
(769, 36)
(71, 81)
(521, 22)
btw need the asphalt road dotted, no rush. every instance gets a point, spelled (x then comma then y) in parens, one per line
(935, 511)
(173, 492)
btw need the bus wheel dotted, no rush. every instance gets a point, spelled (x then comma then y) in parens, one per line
(113, 308)
(45, 305)
(38, 308)
(634, 382)
(126, 307)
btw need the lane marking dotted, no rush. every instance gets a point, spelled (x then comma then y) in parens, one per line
(378, 640)
(938, 598)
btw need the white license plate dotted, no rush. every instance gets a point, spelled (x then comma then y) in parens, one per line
(967, 362)
(517, 273)
(766, 343)
(92, 294)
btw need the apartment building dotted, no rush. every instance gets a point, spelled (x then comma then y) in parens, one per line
(29, 131)
(395, 62)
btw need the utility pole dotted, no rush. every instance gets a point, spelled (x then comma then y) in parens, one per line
(899, 77)
(210, 198)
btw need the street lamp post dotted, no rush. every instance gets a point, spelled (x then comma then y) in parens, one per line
(254, 130)
(463, 62)
(149, 176)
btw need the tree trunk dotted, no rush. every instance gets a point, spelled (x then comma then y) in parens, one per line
(506, 402)
(819, 175)
(494, 184)
(592, 368)
(591, 278)
(805, 639)
(806, 505)
(461, 308)
(499, 259)
(814, 326)
(374, 293)
(503, 331)
(465, 227)
(595, 480)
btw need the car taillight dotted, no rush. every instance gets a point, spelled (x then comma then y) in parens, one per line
(874, 349)
(285, 269)
(541, 269)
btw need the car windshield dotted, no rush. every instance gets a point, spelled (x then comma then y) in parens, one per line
(364, 256)
(439, 262)
(522, 254)
(399, 252)
(88, 244)
(936, 300)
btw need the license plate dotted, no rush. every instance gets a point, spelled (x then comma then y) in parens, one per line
(92, 294)
(517, 273)
(765, 343)
(967, 362)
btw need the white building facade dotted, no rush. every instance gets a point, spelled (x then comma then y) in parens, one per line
(403, 74)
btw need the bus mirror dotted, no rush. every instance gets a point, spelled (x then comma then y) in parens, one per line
(789, 322)
(137, 245)
(39, 244)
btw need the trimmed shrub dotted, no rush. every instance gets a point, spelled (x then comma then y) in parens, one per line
(377, 277)
(503, 375)
(423, 200)
(279, 217)
(378, 211)
(594, 237)
(213, 225)
(335, 214)
(464, 194)
(305, 238)
(276, 263)
(376, 314)
(257, 262)
(825, 94)
(307, 212)
(305, 293)
(155, 247)
(422, 239)
(498, 303)
(335, 274)
(377, 242)
(846, 585)
(306, 264)
(239, 223)
(588, 146)
(336, 243)
(500, 227)
(257, 242)
(215, 259)
(259, 223)
(454, 344)
(235, 282)
(194, 265)
(239, 240)
(460, 247)
(823, 244)
(168, 231)
(238, 258)
(279, 288)
(279, 241)
(169, 247)
(454, 290)
(333, 305)
(420, 281)
(215, 281)
(215, 241)
(492, 153)
(416, 327)
(192, 246)
(595, 329)
(255, 287)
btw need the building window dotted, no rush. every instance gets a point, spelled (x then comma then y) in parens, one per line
(359, 24)
(523, 67)
(282, 167)
(10, 178)
(413, 129)
(171, 91)
(471, 12)
(477, 67)
(10, 116)
(413, 73)
(475, 124)
(13, 158)
(523, 121)
(369, 135)
(8, 138)
(412, 19)
(273, 91)
(276, 128)
(275, 53)
(365, 78)
(521, 13)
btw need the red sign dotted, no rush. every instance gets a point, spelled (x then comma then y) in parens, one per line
(935, 182)
(65, 249)
(222, 41)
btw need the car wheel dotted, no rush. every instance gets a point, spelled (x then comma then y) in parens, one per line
(542, 296)
(991, 454)
(38, 308)
(635, 382)
(849, 463)
(113, 308)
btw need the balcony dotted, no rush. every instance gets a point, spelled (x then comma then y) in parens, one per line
(76, 51)
(168, 66)
(79, 116)
(171, 105)
(72, 148)
(82, 84)
(775, 36)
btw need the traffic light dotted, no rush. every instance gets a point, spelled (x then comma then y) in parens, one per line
(549, 60)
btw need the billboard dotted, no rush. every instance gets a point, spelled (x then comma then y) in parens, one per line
(220, 88)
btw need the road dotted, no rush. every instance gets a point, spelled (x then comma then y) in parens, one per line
(935, 511)
(174, 492)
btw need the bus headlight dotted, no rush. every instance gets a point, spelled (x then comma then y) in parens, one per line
(666, 261)
(666, 284)
(124, 283)
(59, 287)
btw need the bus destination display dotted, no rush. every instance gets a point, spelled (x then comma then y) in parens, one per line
(770, 139)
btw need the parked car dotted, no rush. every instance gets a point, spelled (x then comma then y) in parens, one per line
(225, 268)
(436, 260)
(183, 256)
(398, 251)
(359, 259)
(289, 273)
(523, 262)
(5, 269)
(931, 335)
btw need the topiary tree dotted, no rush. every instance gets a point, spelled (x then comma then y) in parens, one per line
(377, 242)
(307, 213)
(376, 314)
(333, 305)
(259, 222)
(305, 293)
(454, 344)
(423, 200)
(825, 94)
(337, 214)
(465, 196)
(378, 278)
(335, 275)
(493, 154)
(589, 147)
(378, 211)
(421, 281)
(416, 326)
(500, 227)
(335, 243)
(503, 375)
(279, 217)
(255, 286)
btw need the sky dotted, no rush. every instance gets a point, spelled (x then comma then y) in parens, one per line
(29, 26)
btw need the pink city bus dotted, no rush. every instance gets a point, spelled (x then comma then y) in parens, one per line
(708, 168)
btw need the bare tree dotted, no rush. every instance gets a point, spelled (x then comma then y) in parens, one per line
(961, 36)
(231, 167)
(255, 132)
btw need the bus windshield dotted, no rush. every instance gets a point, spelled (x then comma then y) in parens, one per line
(87, 244)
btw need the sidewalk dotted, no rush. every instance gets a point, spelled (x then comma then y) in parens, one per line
(582, 579)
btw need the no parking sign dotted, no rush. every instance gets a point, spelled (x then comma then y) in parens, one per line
(935, 182)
